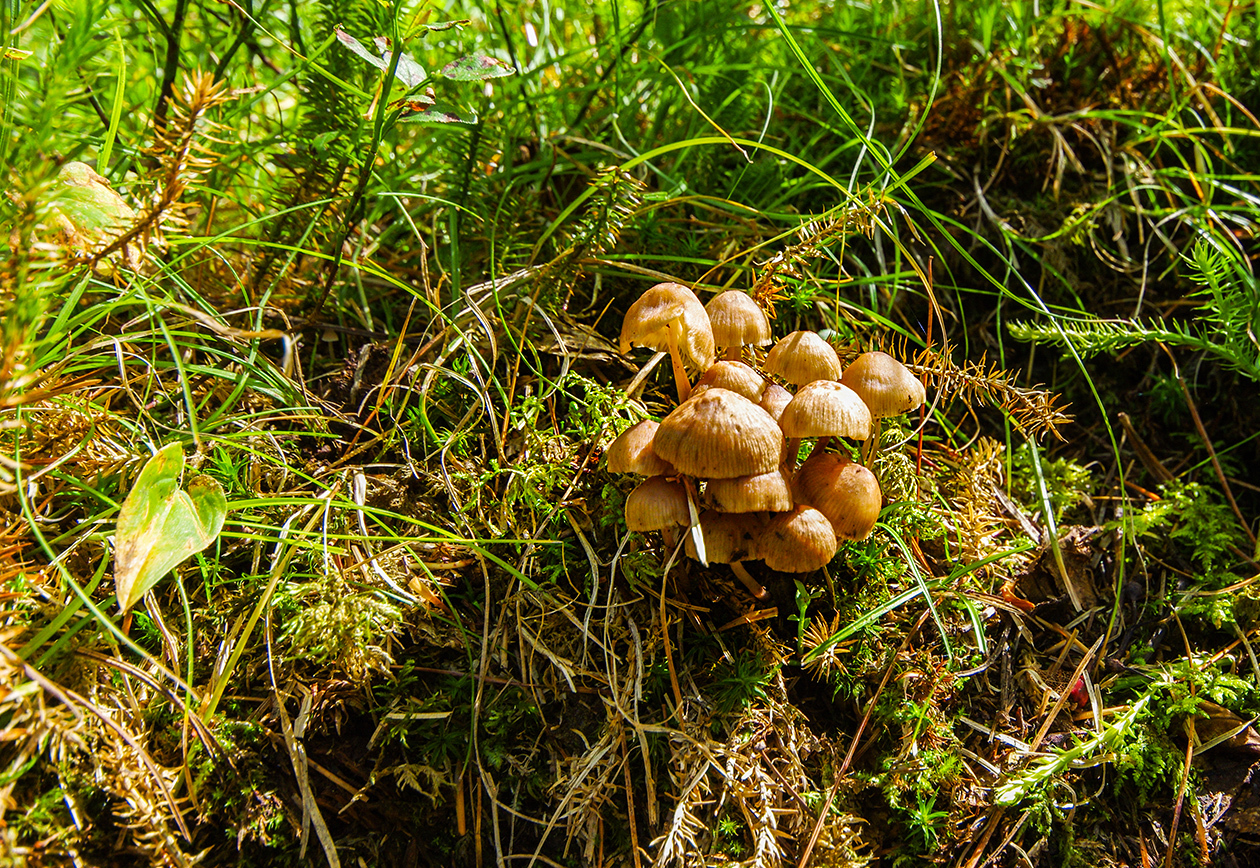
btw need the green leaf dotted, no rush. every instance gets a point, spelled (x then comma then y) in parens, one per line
(444, 25)
(160, 527)
(357, 47)
(439, 114)
(476, 67)
(87, 210)
(408, 71)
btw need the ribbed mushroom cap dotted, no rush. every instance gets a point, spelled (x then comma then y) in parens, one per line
(825, 408)
(844, 491)
(885, 384)
(657, 504)
(799, 541)
(764, 492)
(719, 434)
(803, 357)
(665, 306)
(774, 399)
(728, 536)
(632, 452)
(737, 320)
(733, 376)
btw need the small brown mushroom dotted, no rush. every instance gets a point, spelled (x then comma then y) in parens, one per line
(775, 399)
(670, 317)
(632, 452)
(844, 491)
(730, 538)
(799, 541)
(803, 357)
(824, 408)
(718, 435)
(763, 492)
(658, 504)
(887, 387)
(734, 376)
(738, 322)
(885, 384)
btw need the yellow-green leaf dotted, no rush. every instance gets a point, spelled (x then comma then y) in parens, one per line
(160, 526)
(88, 211)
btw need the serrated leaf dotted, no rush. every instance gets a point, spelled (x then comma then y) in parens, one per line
(160, 527)
(439, 114)
(476, 67)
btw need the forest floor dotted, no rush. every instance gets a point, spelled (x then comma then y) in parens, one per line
(398, 619)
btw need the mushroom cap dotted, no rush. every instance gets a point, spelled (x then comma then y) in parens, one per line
(844, 491)
(735, 376)
(803, 357)
(763, 492)
(632, 452)
(825, 408)
(799, 541)
(666, 306)
(774, 399)
(728, 536)
(718, 434)
(657, 504)
(885, 384)
(737, 320)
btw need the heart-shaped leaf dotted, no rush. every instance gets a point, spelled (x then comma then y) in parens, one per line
(476, 67)
(160, 527)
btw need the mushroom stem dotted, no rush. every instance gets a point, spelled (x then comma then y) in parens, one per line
(792, 449)
(669, 536)
(820, 445)
(680, 373)
(871, 446)
(754, 587)
(732, 354)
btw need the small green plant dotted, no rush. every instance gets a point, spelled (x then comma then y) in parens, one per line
(738, 684)
(925, 823)
(1067, 483)
(1226, 327)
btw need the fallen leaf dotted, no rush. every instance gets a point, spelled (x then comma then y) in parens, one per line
(160, 526)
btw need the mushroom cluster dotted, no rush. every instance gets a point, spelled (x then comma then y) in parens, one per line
(731, 444)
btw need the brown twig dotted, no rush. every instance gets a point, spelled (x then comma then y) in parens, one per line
(1207, 441)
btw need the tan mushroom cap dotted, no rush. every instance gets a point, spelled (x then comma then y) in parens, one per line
(719, 434)
(803, 357)
(885, 384)
(728, 536)
(632, 452)
(844, 491)
(774, 399)
(825, 408)
(799, 541)
(764, 492)
(665, 306)
(657, 504)
(737, 320)
(733, 376)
